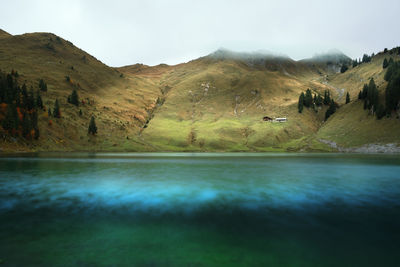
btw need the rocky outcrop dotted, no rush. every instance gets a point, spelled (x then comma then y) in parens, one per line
(369, 148)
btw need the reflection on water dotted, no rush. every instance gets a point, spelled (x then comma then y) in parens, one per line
(280, 202)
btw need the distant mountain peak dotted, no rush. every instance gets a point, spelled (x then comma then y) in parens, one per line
(333, 51)
(333, 55)
(223, 53)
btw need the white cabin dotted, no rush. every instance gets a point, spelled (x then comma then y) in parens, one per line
(281, 120)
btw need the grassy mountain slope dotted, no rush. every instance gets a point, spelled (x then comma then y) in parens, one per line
(214, 103)
(112, 99)
(351, 125)
(218, 104)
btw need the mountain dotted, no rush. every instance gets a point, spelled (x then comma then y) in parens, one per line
(213, 103)
(109, 96)
(329, 62)
(218, 104)
(333, 56)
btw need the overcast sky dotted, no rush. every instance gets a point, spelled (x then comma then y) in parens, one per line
(174, 31)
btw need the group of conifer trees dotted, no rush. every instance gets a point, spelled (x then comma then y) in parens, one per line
(308, 100)
(386, 62)
(370, 95)
(365, 59)
(392, 93)
(19, 107)
(56, 110)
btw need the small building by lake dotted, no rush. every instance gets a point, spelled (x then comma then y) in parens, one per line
(283, 119)
(266, 118)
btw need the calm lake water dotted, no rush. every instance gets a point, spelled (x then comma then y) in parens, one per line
(199, 210)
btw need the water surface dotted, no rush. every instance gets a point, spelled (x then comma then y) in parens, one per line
(156, 209)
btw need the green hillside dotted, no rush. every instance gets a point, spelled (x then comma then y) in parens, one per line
(214, 103)
(351, 125)
(220, 105)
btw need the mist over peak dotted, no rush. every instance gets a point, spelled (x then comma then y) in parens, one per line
(333, 55)
(223, 53)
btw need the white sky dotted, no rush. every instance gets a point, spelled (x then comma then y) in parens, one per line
(173, 31)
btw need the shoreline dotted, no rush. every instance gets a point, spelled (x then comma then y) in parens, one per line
(350, 151)
(331, 147)
(390, 148)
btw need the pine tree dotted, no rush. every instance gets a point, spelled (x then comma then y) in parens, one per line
(37, 134)
(308, 98)
(380, 112)
(11, 120)
(16, 96)
(301, 102)
(26, 125)
(24, 94)
(34, 119)
(375, 100)
(39, 101)
(56, 110)
(74, 99)
(385, 63)
(392, 70)
(331, 110)
(364, 91)
(360, 95)
(372, 95)
(319, 100)
(344, 68)
(42, 85)
(347, 98)
(392, 93)
(327, 97)
(31, 100)
(92, 126)
(10, 82)
(366, 58)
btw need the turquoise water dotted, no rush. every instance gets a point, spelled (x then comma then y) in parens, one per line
(199, 210)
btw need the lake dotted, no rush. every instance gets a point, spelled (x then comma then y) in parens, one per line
(209, 209)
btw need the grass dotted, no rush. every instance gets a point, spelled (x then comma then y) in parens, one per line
(352, 126)
(223, 104)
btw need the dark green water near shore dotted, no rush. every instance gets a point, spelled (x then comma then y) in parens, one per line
(199, 210)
